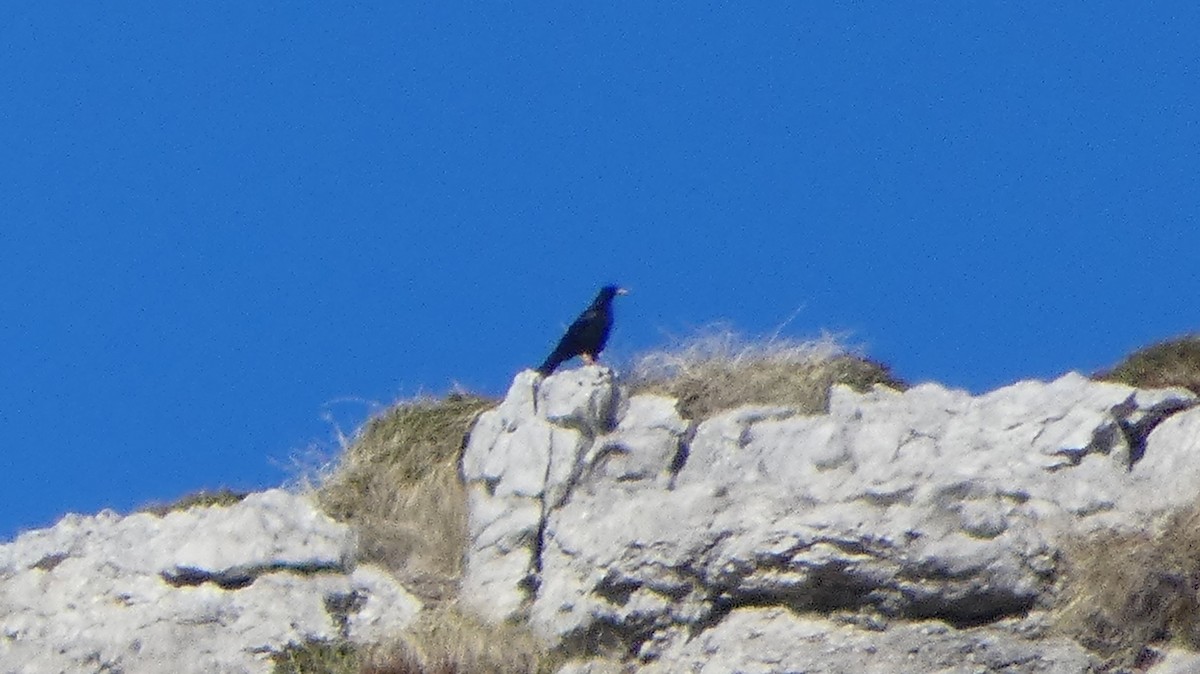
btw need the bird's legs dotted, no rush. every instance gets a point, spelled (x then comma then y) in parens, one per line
(587, 358)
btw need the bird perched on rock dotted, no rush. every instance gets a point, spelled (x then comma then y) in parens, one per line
(588, 334)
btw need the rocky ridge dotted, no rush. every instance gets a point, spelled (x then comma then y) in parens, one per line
(925, 527)
(205, 590)
(922, 531)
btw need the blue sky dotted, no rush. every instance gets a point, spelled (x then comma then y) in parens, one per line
(221, 221)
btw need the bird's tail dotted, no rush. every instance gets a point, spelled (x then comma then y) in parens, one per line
(555, 359)
(549, 366)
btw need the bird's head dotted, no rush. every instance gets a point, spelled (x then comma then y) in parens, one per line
(610, 291)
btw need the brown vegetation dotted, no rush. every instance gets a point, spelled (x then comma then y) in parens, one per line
(1125, 590)
(398, 485)
(201, 499)
(720, 370)
(1172, 363)
(447, 641)
(318, 657)
(443, 641)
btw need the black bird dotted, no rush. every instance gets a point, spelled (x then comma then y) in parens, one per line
(588, 334)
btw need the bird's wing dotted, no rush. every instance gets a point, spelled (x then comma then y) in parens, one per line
(572, 342)
(582, 324)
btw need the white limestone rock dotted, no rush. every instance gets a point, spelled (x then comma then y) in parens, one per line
(1176, 661)
(504, 533)
(593, 666)
(202, 590)
(931, 504)
(644, 445)
(1166, 474)
(526, 453)
(584, 398)
(774, 640)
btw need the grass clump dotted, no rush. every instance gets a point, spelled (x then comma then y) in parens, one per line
(448, 641)
(318, 657)
(1175, 362)
(201, 499)
(720, 370)
(442, 641)
(397, 483)
(1126, 590)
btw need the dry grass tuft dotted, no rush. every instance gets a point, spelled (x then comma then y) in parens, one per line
(447, 641)
(397, 483)
(318, 657)
(1175, 362)
(201, 499)
(1125, 590)
(720, 370)
(442, 641)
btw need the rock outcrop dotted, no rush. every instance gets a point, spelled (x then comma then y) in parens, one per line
(923, 528)
(921, 531)
(206, 590)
